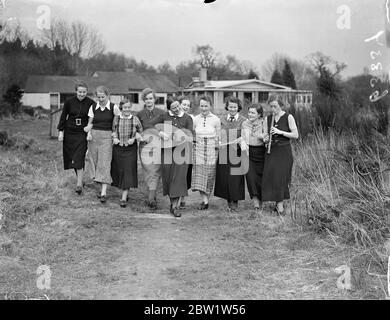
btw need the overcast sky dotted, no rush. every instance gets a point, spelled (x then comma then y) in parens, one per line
(167, 30)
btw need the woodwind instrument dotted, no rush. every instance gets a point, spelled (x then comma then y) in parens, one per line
(270, 135)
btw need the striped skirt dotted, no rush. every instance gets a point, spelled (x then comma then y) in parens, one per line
(100, 156)
(204, 161)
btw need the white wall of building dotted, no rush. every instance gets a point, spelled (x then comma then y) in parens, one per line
(37, 99)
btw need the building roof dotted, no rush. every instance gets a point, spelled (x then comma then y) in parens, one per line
(116, 82)
(236, 84)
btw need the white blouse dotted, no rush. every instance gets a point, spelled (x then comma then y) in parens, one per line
(207, 127)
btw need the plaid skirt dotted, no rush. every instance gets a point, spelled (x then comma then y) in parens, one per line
(204, 161)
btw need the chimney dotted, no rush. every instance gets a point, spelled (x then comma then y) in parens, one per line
(203, 75)
(195, 81)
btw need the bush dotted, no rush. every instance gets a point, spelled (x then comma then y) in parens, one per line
(13, 97)
(28, 110)
(342, 186)
(5, 110)
(17, 141)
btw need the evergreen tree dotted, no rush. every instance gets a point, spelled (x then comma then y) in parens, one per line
(277, 78)
(288, 76)
(252, 75)
(14, 96)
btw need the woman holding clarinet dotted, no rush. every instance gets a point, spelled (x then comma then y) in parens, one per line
(278, 159)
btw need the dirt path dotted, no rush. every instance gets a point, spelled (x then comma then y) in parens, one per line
(105, 252)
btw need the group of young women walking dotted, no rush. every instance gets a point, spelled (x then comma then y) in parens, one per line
(203, 153)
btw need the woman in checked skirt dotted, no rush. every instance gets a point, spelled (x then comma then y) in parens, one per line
(207, 128)
(127, 130)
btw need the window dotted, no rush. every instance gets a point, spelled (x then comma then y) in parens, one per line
(263, 96)
(133, 97)
(304, 99)
(298, 98)
(160, 100)
(248, 96)
(309, 99)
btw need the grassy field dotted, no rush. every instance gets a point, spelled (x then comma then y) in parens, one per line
(99, 251)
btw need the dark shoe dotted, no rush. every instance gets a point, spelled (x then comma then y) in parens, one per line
(203, 206)
(152, 205)
(176, 213)
(182, 205)
(103, 199)
(233, 205)
(79, 190)
(123, 203)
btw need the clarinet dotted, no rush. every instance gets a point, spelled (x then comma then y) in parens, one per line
(270, 135)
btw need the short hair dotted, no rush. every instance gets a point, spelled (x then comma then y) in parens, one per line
(147, 91)
(124, 101)
(233, 99)
(181, 98)
(102, 89)
(206, 98)
(171, 100)
(277, 98)
(82, 84)
(258, 107)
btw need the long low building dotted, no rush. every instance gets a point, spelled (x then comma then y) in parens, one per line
(50, 92)
(248, 91)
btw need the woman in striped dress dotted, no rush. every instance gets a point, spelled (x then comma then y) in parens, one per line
(127, 130)
(101, 116)
(207, 127)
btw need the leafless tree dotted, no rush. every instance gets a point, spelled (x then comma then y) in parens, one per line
(276, 62)
(319, 61)
(79, 39)
(303, 72)
(205, 56)
(12, 29)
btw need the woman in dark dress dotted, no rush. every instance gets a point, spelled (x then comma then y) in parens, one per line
(175, 159)
(230, 181)
(127, 130)
(73, 119)
(279, 162)
(254, 131)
